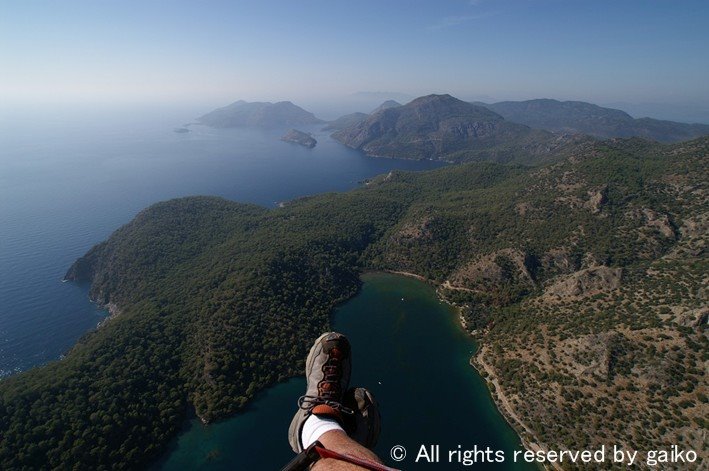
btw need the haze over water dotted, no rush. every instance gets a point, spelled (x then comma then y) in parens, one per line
(69, 179)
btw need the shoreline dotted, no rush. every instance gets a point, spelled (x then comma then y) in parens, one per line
(527, 437)
(476, 361)
(113, 312)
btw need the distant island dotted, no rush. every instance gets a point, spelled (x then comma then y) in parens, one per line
(299, 137)
(283, 114)
(181, 130)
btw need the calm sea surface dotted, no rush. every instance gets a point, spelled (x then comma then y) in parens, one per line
(410, 351)
(68, 179)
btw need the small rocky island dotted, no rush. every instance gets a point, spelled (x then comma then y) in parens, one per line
(300, 137)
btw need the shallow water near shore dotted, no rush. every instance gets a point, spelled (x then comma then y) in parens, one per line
(410, 351)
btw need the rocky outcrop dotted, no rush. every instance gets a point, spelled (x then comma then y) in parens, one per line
(659, 221)
(597, 199)
(558, 261)
(695, 227)
(418, 230)
(695, 318)
(600, 354)
(502, 266)
(586, 282)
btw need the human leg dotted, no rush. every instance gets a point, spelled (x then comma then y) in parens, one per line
(338, 441)
(344, 421)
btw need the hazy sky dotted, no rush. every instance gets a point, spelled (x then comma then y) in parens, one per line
(219, 51)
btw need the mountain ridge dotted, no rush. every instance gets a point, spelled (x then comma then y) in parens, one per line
(385, 105)
(441, 127)
(352, 119)
(587, 118)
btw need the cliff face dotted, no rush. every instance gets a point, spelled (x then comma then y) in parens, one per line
(82, 270)
(440, 127)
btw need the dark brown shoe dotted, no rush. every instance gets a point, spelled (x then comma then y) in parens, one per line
(327, 371)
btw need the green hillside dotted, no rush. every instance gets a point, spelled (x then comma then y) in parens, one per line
(581, 278)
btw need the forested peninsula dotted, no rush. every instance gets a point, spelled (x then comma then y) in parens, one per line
(583, 280)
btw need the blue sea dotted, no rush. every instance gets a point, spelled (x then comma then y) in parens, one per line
(70, 177)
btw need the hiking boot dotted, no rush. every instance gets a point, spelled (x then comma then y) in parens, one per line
(365, 424)
(327, 371)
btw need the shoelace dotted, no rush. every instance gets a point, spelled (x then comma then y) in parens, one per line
(308, 402)
(328, 387)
